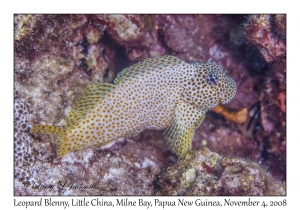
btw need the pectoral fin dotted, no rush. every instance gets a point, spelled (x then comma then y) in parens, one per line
(181, 132)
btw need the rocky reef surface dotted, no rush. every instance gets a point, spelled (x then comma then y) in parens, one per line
(56, 56)
(202, 172)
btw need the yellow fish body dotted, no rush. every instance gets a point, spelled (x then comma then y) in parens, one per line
(159, 93)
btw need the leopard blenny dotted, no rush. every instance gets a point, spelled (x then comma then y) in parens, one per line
(159, 93)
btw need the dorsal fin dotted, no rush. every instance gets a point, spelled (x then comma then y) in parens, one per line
(148, 65)
(88, 99)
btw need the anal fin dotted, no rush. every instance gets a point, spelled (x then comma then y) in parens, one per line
(133, 134)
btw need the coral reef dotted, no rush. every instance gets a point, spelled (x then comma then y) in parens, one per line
(202, 172)
(57, 56)
(24, 155)
(259, 30)
(267, 33)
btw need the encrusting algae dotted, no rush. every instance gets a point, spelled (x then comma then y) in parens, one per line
(159, 93)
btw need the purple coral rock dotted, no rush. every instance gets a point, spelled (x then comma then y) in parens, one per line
(258, 29)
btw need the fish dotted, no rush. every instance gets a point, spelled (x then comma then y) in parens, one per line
(159, 93)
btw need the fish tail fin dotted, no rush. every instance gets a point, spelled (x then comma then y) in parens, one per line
(64, 145)
(47, 129)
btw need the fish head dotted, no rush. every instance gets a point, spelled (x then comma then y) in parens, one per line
(229, 90)
(215, 86)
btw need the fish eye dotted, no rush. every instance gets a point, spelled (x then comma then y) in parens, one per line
(212, 79)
